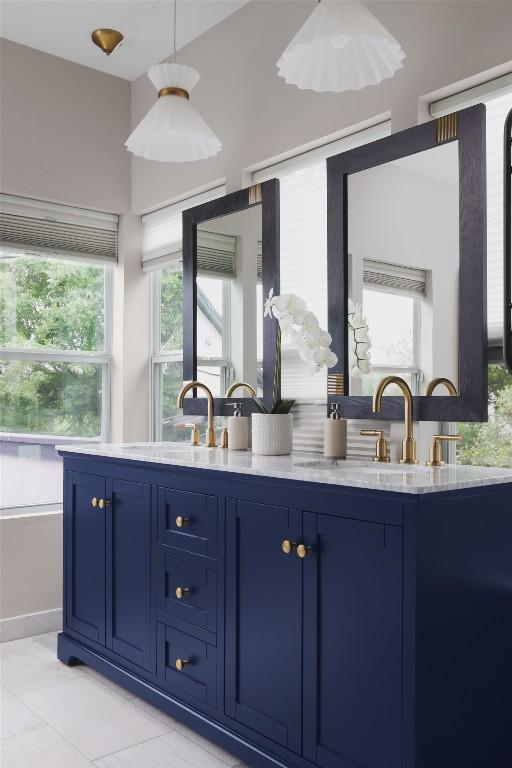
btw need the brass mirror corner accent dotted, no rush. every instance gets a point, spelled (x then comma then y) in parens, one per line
(230, 264)
(406, 217)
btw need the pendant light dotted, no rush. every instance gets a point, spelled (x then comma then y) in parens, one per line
(340, 47)
(173, 131)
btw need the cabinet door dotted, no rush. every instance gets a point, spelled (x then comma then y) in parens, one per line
(128, 571)
(352, 643)
(263, 621)
(85, 556)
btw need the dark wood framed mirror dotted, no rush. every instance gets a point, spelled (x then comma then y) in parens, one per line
(230, 264)
(407, 243)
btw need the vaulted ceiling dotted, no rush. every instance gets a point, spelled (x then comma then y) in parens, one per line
(63, 28)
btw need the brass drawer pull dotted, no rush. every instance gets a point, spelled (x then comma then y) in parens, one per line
(181, 592)
(94, 501)
(181, 663)
(287, 546)
(181, 521)
(303, 551)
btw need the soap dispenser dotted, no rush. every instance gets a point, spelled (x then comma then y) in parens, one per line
(238, 430)
(335, 434)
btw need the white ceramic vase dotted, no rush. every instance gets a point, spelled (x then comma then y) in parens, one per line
(272, 434)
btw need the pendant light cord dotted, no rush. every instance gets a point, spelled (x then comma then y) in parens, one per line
(174, 36)
(144, 15)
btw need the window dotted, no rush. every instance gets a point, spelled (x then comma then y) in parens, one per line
(303, 206)
(162, 256)
(490, 443)
(303, 260)
(55, 320)
(54, 366)
(395, 345)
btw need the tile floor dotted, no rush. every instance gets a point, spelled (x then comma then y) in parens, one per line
(53, 716)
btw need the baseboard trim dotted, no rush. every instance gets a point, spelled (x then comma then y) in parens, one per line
(30, 624)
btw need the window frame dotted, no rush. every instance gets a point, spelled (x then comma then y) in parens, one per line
(102, 358)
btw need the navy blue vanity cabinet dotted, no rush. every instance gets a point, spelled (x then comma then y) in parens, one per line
(296, 624)
(314, 644)
(352, 642)
(128, 589)
(186, 585)
(85, 556)
(264, 621)
(108, 565)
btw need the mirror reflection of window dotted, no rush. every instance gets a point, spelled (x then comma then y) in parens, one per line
(403, 242)
(394, 322)
(230, 301)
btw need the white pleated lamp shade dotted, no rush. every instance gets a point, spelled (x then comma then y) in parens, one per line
(340, 47)
(173, 131)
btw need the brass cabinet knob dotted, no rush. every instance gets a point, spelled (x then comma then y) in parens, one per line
(287, 546)
(102, 503)
(181, 592)
(181, 521)
(94, 501)
(181, 663)
(303, 551)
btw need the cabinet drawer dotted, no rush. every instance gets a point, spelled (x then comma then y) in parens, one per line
(187, 521)
(187, 592)
(197, 680)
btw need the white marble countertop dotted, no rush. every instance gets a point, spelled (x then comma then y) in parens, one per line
(310, 468)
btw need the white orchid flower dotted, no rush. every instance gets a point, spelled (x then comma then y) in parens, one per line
(285, 322)
(310, 322)
(325, 357)
(324, 338)
(301, 330)
(289, 303)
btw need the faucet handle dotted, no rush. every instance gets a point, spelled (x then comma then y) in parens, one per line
(381, 446)
(195, 438)
(435, 458)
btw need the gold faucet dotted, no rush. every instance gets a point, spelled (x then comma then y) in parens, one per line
(450, 386)
(409, 444)
(238, 384)
(210, 432)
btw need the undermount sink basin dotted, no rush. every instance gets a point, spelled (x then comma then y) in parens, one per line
(367, 467)
(330, 464)
(378, 467)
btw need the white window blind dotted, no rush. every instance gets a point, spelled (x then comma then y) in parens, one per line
(394, 278)
(162, 230)
(303, 204)
(216, 254)
(38, 228)
(497, 97)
